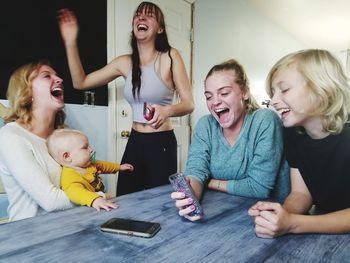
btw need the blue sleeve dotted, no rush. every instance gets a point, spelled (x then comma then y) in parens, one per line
(265, 143)
(198, 159)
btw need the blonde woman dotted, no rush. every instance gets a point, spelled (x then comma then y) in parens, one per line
(31, 177)
(238, 147)
(311, 92)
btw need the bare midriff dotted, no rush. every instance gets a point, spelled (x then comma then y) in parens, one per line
(144, 127)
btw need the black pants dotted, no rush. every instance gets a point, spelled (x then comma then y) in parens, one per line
(154, 157)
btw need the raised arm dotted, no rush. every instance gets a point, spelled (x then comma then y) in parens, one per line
(69, 29)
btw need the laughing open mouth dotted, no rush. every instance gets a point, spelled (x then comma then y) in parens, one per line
(283, 111)
(142, 27)
(220, 111)
(57, 92)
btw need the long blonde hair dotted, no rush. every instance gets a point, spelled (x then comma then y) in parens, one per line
(19, 94)
(326, 82)
(240, 78)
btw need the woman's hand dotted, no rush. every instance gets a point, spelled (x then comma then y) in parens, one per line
(185, 206)
(68, 25)
(271, 219)
(161, 114)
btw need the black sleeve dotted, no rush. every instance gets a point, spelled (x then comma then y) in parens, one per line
(290, 146)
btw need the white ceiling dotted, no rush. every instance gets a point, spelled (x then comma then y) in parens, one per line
(315, 23)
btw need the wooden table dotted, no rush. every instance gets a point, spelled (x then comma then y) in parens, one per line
(225, 235)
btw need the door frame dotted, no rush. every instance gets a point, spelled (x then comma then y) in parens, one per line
(112, 102)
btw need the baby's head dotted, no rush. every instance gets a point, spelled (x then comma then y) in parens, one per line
(70, 148)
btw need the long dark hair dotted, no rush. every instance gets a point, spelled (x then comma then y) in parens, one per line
(161, 44)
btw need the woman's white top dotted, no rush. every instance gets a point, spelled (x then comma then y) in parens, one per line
(31, 177)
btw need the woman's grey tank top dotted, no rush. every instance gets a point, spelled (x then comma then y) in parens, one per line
(153, 90)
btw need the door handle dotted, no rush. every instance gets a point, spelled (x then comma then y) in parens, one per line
(125, 134)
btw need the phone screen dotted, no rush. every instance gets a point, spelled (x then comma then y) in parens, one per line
(131, 227)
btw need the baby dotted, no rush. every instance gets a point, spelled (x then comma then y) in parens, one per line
(80, 172)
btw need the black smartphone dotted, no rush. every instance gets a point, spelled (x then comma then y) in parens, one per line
(148, 111)
(180, 184)
(131, 227)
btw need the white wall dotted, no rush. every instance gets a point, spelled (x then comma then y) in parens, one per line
(233, 29)
(92, 120)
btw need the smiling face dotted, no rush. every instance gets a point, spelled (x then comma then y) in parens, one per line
(225, 99)
(147, 22)
(36, 92)
(291, 97)
(47, 90)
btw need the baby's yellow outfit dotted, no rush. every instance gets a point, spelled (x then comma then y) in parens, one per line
(81, 188)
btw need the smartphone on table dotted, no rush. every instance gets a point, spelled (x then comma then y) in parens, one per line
(180, 184)
(131, 227)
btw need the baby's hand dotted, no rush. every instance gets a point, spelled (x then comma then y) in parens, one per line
(101, 203)
(109, 196)
(126, 167)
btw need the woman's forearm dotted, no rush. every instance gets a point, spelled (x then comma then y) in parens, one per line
(181, 109)
(297, 203)
(197, 187)
(76, 68)
(218, 185)
(332, 223)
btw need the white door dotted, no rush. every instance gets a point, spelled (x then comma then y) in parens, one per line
(178, 16)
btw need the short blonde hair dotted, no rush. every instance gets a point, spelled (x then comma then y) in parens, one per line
(327, 84)
(240, 78)
(58, 142)
(19, 94)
